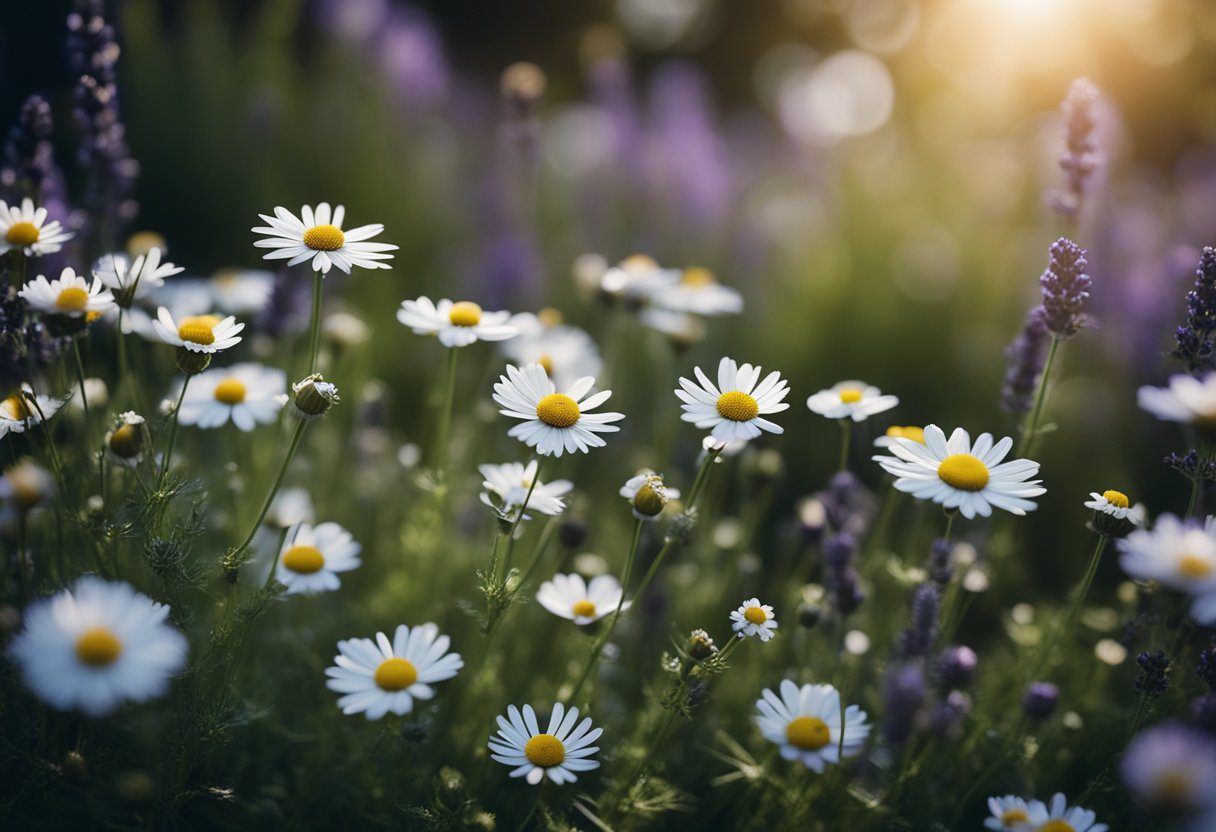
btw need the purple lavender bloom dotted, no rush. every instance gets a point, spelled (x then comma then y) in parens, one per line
(1065, 289)
(1027, 355)
(1153, 678)
(28, 155)
(612, 92)
(839, 573)
(26, 346)
(508, 268)
(847, 502)
(355, 21)
(1192, 466)
(956, 666)
(917, 639)
(946, 717)
(1081, 155)
(412, 59)
(288, 308)
(1040, 700)
(1194, 338)
(903, 695)
(941, 567)
(1172, 768)
(1206, 667)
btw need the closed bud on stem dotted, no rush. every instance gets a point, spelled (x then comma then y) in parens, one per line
(192, 363)
(314, 396)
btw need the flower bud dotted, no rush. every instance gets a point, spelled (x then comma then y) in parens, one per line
(192, 363)
(127, 441)
(314, 396)
(700, 645)
(649, 501)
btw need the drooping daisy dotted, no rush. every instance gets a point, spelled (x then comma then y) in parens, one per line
(1009, 813)
(18, 411)
(1178, 554)
(916, 434)
(97, 645)
(566, 352)
(132, 280)
(310, 562)
(854, 400)
(318, 236)
(559, 752)
(805, 722)
(754, 619)
(648, 495)
(249, 394)
(457, 324)
(198, 333)
(1116, 504)
(572, 598)
(1172, 769)
(507, 487)
(69, 295)
(734, 409)
(25, 229)
(554, 423)
(697, 291)
(1060, 817)
(383, 676)
(957, 474)
(1187, 399)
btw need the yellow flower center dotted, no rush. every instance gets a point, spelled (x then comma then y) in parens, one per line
(808, 733)
(914, 433)
(545, 750)
(586, 609)
(15, 408)
(197, 329)
(964, 472)
(324, 238)
(546, 363)
(1057, 826)
(72, 299)
(304, 559)
(1174, 788)
(395, 674)
(21, 234)
(230, 391)
(697, 276)
(550, 316)
(465, 313)
(755, 615)
(1116, 498)
(1014, 816)
(639, 262)
(125, 441)
(98, 647)
(557, 410)
(849, 395)
(737, 406)
(1194, 566)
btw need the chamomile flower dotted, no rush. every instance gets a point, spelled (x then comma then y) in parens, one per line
(916, 434)
(25, 229)
(311, 561)
(854, 400)
(132, 280)
(24, 408)
(1172, 769)
(69, 295)
(97, 645)
(1187, 399)
(698, 292)
(24, 486)
(647, 494)
(318, 236)
(248, 394)
(507, 487)
(383, 676)
(572, 598)
(681, 329)
(734, 409)
(566, 352)
(1180, 555)
(553, 423)
(754, 619)
(126, 442)
(560, 752)
(1058, 816)
(1116, 504)
(636, 278)
(958, 474)
(241, 291)
(198, 333)
(457, 324)
(806, 723)
(1009, 813)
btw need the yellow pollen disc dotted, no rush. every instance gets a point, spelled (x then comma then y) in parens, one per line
(1057, 826)
(324, 238)
(808, 733)
(964, 472)
(124, 441)
(1116, 498)
(395, 674)
(697, 276)
(72, 299)
(738, 407)
(304, 559)
(849, 395)
(15, 408)
(755, 615)
(1014, 816)
(1175, 787)
(586, 609)
(198, 329)
(546, 361)
(98, 647)
(557, 410)
(465, 313)
(230, 391)
(545, 750)
(1193, 566)
(91, 316)
(914, 433)
(22, 234)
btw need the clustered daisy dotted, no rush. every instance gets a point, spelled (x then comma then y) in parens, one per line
(132, 280)
(1014, 814)
(554, 423)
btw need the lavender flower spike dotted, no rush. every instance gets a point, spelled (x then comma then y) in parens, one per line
(1081, 155)
(1065, 289)
(1194, 338)
(1026, 355)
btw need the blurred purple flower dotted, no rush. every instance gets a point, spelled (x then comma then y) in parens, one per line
(903, 694)
(1026, 356)
(1194, 338)
(1081, 155)
(1065, 289)
(412, 58)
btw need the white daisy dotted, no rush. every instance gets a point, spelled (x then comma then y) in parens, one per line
(198, 333)
(734, 409)
(25, 229)
(1187, 399)
(24, 486)
(249, 394)
(566, 352)
(311, 560)
(17, 411)
(960, 475)
(559, 752)
(698, 292)
(134, 279)
(554, 423)
(754, 619)
(1117, 505)
(97, 645)
(636, 278)
(647, 494)
(1009, 813)
(290, 506)
(382, 676)
(916, 434)
(457, 324)
(183, 297)
(1178, 554)
(319, 237)
(69, 295)
(805, 722)
(509, 484)
(682, 329)
(241, 291)
(1060, 817)
(572, 598)
(854, 400)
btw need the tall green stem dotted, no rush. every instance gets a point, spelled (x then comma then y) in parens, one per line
(1074, 609)
(314, 337)
(160, 481)
(846, 433)
(274, 489)
(1031, 428)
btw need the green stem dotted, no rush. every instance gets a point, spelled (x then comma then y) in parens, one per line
(1193, 503)
(846, 433)
(1074, 609)
(274, 561)
(160, 480)
(1030, 429)
(519, 516)
(274, 489)
(314, 337)
(439, 457)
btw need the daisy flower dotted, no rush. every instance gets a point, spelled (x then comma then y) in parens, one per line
(509, 484)
(753, 619)
(241, 291)
(249, 394)
(1060, 817)
(318, 236)
(680, 328)
(198, 333)
(457, 324)
(383, 676)
(24, 486)
(647, 494)
(916, 434)
(1178, 554)
(570, 597)
(311, 560)
(126, 442)
(1172, 768)
(25, 229)
(957, 474)
(69, 295)
(636, 278)
(559, 752)
(733, 409)
(17, 411)
(566, 352)
(97, 645)
(1009, 813)
(854, 400)
(805, 722)
(1117, 505)
(553, 423)
(1187, 399)
(698, 292)
(132, 280)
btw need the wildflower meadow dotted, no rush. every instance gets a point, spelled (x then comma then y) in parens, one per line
(631, 415)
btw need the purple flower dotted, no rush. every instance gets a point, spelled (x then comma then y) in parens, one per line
(1153, 678)
(1026, 356)
(412, 59)
(917, 639)
(1194, 338)
(946, 717)
(1081, 155)
(1040, 700)
(1206, 668)
(941, 566)
(28, 155)
(1065, 289)
(1172, 768)
(1203, 712)
(903, 695)
(839, 573)
(956, 666)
